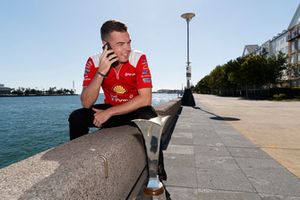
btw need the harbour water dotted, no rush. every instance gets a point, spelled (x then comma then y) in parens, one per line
(29, 125)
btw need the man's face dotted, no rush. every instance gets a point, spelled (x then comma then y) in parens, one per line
(120, 42)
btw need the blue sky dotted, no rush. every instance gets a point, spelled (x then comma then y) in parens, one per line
(46, 43)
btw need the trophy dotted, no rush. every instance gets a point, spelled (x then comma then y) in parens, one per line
(151, 130)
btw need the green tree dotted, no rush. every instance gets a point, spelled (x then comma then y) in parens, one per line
(293, 72)
(203, 86)
(275, 68)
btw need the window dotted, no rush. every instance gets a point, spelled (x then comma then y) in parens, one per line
(298, 44)
(299, 57)
(292, 59)
(292, 47)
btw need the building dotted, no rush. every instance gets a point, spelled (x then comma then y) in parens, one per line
(250, 49)
(271, 47)
(294, 38)
(287, 42)
(4, 90)
(279, 43)
(265, 49)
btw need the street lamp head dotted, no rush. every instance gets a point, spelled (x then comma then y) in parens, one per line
(188, 16)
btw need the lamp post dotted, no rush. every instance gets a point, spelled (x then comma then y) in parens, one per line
(188, 99)
(188, 17)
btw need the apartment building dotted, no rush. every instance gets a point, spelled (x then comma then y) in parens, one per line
(293, 38)
(271, 47)
(287, 42)
(279, 43)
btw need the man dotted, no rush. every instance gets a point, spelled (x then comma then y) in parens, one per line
(125, 78)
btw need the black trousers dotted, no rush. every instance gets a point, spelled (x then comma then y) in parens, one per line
(82, 119)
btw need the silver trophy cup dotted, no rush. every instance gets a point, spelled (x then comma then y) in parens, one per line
(152, 130)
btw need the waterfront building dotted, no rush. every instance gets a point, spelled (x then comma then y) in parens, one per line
(250, 49)
(271, 47)
(264, 49)
(279, 43)
(294, 38)
(287, 42)
(4, 90)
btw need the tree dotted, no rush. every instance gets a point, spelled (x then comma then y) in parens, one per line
(293, 72)
(203, 86)
(249, 72)
(275, 68)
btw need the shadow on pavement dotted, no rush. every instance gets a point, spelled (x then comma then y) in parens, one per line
(218, 117)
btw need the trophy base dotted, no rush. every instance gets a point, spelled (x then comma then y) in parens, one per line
(154, 191)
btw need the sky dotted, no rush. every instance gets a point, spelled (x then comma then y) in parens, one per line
(47, 43)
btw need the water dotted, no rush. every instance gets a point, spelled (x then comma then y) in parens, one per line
(29, 125)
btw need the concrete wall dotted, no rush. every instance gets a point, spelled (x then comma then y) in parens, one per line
(76, 170)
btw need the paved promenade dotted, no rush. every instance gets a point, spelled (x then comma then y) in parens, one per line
(225, 149)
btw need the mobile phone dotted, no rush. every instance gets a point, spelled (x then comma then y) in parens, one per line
(114, 64)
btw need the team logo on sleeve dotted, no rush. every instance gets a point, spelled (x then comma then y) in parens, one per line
(145, 71)
(119, 89)
(146, 80)
(144, 62)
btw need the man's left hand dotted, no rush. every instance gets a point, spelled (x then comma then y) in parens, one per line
(100, 117)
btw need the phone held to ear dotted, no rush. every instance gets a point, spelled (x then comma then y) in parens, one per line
(114, 64)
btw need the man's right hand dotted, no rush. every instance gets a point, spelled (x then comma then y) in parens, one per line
(106, 59)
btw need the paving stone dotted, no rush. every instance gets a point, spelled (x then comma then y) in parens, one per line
(181, 176)
(211, 151)
(207, 194)
(205, 134)
(179, 160)
(180, 149)
(276, 181)
(181, 141)
(210, 162)
(220, 179)
(236, 141)
(257, 163)
(182, 193)
(208, 141)
(277, 197)
(182, 134)
(226, 131)
(247, 152)
(183, 127)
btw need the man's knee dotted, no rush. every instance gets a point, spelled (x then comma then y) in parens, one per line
(146, 112)
(77, 116)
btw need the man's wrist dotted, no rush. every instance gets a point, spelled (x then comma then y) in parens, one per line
(108, 112)
(101, 74)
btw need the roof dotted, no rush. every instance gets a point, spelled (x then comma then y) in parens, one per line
(295, 19)
(248, 49)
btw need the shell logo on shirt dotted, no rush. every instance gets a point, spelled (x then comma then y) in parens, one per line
(119, 89)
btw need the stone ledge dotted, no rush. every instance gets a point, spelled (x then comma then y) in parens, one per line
(75, 170)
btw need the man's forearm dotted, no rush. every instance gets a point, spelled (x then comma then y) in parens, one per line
(90, 93)
(135, 103)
